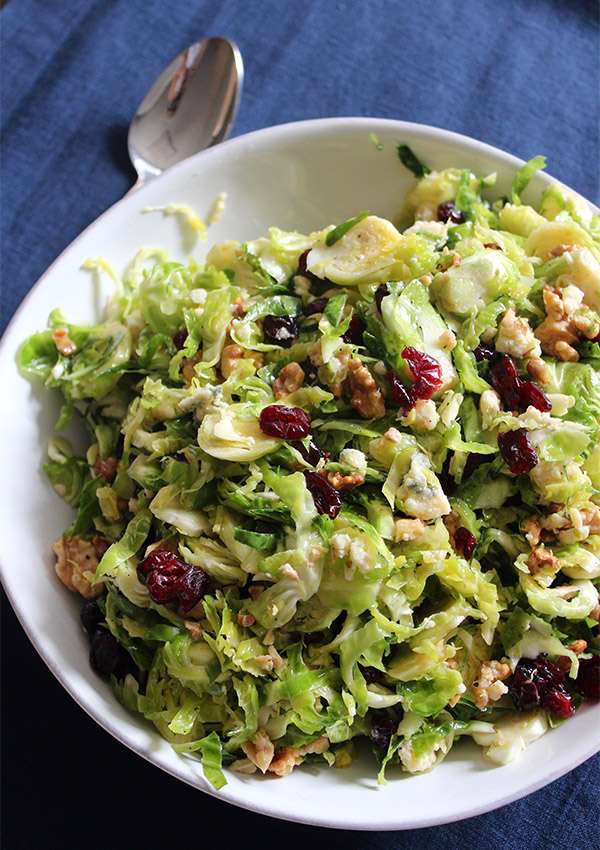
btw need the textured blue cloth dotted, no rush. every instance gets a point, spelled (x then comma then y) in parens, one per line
(521, 75)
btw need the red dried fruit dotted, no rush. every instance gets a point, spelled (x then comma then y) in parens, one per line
(380, 293)
(179, 339)
(464, 542)
(355, 331)
(280, 330)
(315, 306)
(516, 393)
(383, 727)
(191, 587)
(401, 395)
(587, 682)
(539, 683)
(311, 454)
(482, 352)
(531, 394)
(286, 423)
(426, 372)
(517, 452)
(558, 702)
(449, 212)
(326, 498)
(162, 583)
(505, 380)
(159, 559)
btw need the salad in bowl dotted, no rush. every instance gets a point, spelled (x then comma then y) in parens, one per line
(343, 485)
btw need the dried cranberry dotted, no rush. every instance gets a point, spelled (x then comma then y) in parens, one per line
(557, 701)
(400, 394)
(286, 423)
(517, 452)
(326, 498)
(450, 212)
(311, 454)
(505, 380)
(531, 394)
(310, 372)
(516, 393)
(355, 331)
(179, 339)
(163, 583)
(316, 306)
(313, 637)
(372, 675)
(302, 263)
(587, 682)
(191, 587)
(159, 559)
(482, 352)
(280, 330)
(91, 616)
(105, 653)
(539, 683)
(383, 727)
(380, 293)
(464, 542)
(426, 371)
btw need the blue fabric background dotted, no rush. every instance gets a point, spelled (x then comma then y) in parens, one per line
(520, 74)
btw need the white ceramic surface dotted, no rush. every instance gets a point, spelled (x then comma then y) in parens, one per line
(298, 176)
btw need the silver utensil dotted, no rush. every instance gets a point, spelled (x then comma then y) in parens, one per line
(191, 106)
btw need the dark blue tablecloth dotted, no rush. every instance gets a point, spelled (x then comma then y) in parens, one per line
(522, 75)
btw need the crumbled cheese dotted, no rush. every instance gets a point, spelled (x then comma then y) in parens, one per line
(489, 408)
(355, 459)
(340, 544)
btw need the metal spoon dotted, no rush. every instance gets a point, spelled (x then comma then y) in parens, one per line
(191, 106)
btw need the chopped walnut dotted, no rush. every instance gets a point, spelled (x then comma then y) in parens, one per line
(106, 467)
(566, 526)
(265, 662)
(238, 308)
(63, 342)
(561, 249)
(595, 613)
(532, 529)
(567, 322)
(194, 629)
(75, 557)
(245, 619)
(342, 482)
(515, 337)
(278, 661)
(406, 530)
(489, 686)
(260, 750)
(538, 370)
(290, 757)
(269, 638)
(232, 353)
(365, 395)
(541, 559)
(187, 367)
(289, 379)
(578, 646)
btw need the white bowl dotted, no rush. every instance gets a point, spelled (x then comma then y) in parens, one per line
(300, 177)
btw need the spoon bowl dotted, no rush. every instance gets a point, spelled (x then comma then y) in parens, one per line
(191, 106)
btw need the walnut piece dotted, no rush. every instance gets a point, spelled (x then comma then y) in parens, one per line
(365, 395)
(567, 322)
(106, 467)
(76, 556)
(290, 757)
(63, 342)
(541, 559)
(232, 353)
(289, 379)
(260, 750)
(538, 370)
(341, 481)
(488, 686)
